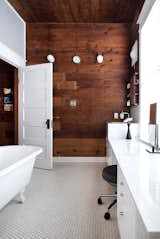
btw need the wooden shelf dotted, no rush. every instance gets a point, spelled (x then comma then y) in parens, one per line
(134, 91)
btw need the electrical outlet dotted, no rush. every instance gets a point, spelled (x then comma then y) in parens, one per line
(73, 103)
(116, 115)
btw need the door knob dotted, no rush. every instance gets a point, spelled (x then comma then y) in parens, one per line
(56, 117)
(48, 123)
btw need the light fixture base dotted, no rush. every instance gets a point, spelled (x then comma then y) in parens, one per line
(51, 58)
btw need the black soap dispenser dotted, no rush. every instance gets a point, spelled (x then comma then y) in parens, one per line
(128, 121)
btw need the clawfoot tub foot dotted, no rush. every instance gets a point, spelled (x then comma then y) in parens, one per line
(21, 198)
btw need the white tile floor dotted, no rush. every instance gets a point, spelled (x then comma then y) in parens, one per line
(61, 204)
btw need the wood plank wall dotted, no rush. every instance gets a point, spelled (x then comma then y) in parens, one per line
(99, 89)
(6, 118)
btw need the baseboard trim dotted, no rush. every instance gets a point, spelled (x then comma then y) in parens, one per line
(79, 159)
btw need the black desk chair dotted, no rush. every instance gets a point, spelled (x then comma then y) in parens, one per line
(109, 174)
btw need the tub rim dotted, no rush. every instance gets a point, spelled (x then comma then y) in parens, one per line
(20, 162)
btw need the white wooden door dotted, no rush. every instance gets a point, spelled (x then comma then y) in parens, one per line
(36, 110)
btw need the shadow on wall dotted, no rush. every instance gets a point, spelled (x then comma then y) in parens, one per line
(135, 113)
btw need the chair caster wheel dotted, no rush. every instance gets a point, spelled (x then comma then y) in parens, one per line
(99, 201)
(107, 216)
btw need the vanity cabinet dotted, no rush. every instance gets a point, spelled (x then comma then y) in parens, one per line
(129, 221)
(126, 210)
(138, 184)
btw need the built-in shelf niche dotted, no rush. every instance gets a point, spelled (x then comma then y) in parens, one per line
(132, 87)
(8, 119)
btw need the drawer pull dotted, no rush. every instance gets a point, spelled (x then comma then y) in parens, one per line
(121, 213)
(121, 183)
(121, 194)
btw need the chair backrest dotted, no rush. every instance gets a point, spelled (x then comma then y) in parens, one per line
(109, 174)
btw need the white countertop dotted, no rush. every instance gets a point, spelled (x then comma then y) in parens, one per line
(142, 173)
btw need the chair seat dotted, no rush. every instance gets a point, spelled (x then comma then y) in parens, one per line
(110, 174)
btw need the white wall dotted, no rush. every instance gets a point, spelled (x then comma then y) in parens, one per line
(12, 35)
(147, 6)
(149, 67)
(119, 130)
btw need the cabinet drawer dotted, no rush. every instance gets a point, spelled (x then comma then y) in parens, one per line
(120, 179)
(126, 210)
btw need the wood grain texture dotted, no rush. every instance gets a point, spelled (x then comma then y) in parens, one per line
(99, 89)
(86, 147)
(6, 118)
(77, 11)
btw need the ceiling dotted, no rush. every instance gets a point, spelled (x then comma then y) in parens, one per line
(79, 11)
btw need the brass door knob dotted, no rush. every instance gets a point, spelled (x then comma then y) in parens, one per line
(56, 117)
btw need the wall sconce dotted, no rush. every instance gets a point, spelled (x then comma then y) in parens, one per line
(76, 59)
(51, 58)
(124, 115)
(100, 59)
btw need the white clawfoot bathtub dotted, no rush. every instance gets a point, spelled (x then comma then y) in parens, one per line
(16, 165)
